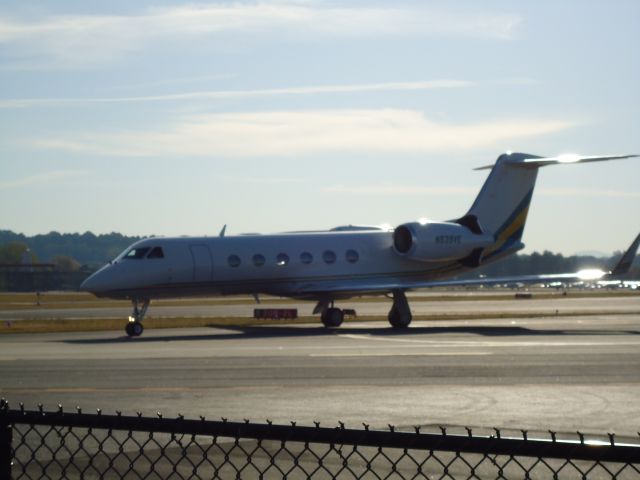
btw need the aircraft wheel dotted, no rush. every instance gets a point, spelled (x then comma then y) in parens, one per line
(332, 317)
(134, 329)
(398, 318)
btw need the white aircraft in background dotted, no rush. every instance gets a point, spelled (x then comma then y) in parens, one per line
(326, 266)
(618, 277)
(588, 276)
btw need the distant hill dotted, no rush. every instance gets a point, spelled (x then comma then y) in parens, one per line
(592, 253)
(86, 248)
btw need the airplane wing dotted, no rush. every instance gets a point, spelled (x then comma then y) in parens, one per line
(356, 288)
(584, 275)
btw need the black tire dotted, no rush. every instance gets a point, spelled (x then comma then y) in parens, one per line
(333, 317)
(398, 320)
(136, 329)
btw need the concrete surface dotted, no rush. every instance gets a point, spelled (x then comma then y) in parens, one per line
(562, 374)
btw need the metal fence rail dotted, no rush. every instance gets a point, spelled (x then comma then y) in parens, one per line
(59, 444)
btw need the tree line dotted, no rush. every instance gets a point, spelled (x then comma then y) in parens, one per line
(65, 250)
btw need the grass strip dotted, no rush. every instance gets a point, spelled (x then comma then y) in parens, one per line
(112, 324)
(80, 300)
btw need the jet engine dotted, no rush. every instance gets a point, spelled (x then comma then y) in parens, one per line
(440, 241)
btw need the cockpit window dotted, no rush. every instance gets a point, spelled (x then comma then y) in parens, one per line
(156, 252)
(136, 253)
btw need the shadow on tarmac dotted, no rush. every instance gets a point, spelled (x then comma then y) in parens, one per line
(270, 331)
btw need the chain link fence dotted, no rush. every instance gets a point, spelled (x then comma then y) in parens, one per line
(41, 444)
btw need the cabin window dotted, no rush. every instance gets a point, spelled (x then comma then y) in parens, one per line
(282, 259)
(233, 261)
(258, 260)
(306, 258)
(329, 256)
(156, 252)
(352, 256)
(136, 253)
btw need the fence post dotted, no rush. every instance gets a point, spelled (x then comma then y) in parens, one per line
(6, 434)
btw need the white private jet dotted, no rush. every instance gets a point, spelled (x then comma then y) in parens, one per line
(326, 266)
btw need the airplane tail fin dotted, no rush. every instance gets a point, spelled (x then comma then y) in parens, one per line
(502, 205)
(624, 264)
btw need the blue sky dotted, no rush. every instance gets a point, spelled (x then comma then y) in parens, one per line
(168, 118)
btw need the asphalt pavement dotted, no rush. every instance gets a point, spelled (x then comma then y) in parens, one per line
(565, 374)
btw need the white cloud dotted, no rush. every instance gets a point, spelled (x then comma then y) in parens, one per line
(44, 178)
(286, 133)
(518, 81)
(586, 192)
(449, 190)
(265, 180)
(222, 94)
(80, 40)
(400, 190)
(177, 81)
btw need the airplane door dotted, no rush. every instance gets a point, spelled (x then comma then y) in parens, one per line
(202, 263)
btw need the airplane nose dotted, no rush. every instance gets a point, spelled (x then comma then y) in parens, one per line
(96, 282)
(89, 283)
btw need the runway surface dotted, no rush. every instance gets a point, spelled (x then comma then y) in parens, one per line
(619, 304)
(565, 374)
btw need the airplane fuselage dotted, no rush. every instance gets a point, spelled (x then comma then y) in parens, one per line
(292, 264)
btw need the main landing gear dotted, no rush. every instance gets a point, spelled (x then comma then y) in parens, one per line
(332, 317)
(399, 315)
(134, 327)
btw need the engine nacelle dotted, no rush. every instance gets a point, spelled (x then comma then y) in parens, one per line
(437, 241)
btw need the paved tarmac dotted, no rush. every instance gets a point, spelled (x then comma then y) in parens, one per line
(619, 304)
(565, 374)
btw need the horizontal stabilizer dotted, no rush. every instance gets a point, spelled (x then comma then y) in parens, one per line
(531, 161)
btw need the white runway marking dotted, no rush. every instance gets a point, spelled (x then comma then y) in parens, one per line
(484, 343)
(400, 354)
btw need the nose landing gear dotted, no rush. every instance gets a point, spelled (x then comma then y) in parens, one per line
(134, 328)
